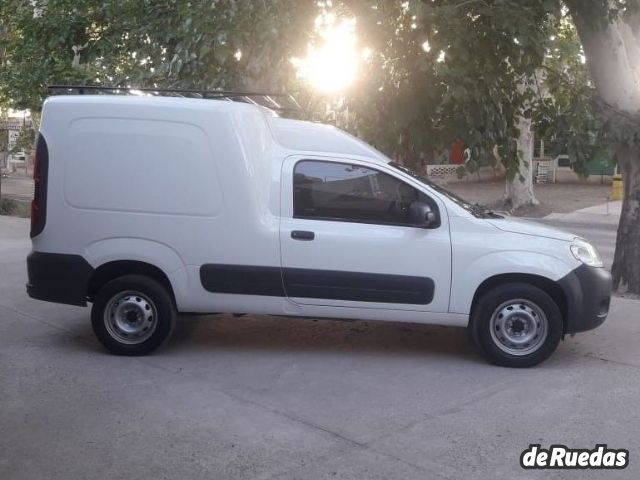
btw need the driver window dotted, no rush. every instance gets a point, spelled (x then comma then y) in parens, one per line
(346, 192)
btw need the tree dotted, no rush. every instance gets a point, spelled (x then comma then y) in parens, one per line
(519, 189)
(444, 71)
(228, 44)
(565, 115)
(610, 36)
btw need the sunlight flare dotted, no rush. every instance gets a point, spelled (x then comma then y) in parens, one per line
(331, 64)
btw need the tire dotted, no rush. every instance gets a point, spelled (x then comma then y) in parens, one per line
(133, 315)
(516, 325)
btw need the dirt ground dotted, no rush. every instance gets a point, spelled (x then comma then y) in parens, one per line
(553, 197)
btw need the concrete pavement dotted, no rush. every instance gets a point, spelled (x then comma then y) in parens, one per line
(604, 213)
(267, 397)
(17, 187)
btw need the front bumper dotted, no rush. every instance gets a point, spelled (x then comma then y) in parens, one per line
(588, 294)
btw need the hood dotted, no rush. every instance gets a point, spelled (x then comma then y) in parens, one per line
(525, 227)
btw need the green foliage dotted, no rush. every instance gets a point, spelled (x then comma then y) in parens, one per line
(502, 60)
(565, 113)
(36, 49)
(480, 72)
(9, 206)
(472, 84)
(199, 44)
(572, 115)
(615, 124)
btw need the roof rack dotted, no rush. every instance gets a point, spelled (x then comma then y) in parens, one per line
(279, 102)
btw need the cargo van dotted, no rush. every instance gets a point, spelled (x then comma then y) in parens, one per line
(147, 206)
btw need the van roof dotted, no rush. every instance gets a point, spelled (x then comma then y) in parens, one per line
(318, 137)
(294, 135)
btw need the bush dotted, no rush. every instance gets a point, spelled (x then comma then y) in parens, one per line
(8, 206)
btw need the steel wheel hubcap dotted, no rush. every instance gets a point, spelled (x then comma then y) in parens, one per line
(130, 317)
(519, 327)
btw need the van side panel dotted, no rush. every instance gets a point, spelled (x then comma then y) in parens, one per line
(141, 166)
(176, 184)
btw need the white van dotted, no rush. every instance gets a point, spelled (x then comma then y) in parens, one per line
(150, 206)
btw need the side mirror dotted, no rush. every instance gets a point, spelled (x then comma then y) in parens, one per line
(421, 215)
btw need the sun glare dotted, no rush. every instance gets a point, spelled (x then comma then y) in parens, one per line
(331, 63)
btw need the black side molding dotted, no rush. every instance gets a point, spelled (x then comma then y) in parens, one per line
(242, 279)
(358, 287)
(324, 284)
(58, 277)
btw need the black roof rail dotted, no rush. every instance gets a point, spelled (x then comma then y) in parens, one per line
(278, 102)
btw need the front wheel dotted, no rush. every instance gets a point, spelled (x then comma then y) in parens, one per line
(133, 315)
(516, 325)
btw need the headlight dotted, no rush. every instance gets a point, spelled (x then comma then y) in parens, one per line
(585, 252)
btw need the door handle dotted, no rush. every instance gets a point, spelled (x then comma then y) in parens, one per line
(302, 235)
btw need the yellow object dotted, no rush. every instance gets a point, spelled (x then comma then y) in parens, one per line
(617, 189)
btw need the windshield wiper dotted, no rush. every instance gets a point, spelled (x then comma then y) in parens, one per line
(482, 211)
(478, 208)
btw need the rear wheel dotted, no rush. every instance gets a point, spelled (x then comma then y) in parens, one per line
(133, 315)
(516, 325)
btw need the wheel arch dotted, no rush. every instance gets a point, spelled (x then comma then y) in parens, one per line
(112, 257)
(118, 268)
(552, 288)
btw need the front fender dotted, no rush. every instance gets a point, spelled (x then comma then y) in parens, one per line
(467, 277)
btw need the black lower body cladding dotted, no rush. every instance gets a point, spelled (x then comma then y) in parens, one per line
(588, 293)
(325, 284)
(58, 277)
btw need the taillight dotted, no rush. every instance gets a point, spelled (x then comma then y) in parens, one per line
(40, 175)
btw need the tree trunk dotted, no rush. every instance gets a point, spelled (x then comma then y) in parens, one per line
(519, 190)
(626, 263)
(613, 58)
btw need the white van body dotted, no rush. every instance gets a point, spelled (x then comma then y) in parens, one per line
(200, 192)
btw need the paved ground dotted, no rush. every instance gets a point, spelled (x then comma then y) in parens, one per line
(17, 186)
(267, 397)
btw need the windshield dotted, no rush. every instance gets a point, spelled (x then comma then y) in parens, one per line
(476, 209)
